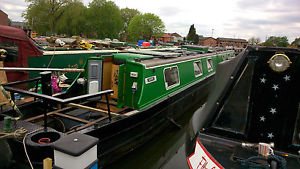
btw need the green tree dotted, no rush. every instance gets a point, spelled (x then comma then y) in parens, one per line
(191, 37)
(9, 22)
(73, 20)
(104, 19)
(196, 39)
(43, 15)
(145, 26)
(254, 41)
(127, 14)
(277, 41)
(296, 42)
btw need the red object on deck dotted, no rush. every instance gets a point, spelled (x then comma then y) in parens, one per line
(146, 44)
(26, 48)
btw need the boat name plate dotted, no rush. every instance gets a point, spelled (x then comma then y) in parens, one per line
(150, 79)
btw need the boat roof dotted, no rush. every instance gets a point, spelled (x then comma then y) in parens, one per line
(13, 33)
(156, 58)
(66, 52)
(159, 61)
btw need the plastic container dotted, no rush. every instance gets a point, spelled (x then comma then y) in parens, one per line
(17, 96)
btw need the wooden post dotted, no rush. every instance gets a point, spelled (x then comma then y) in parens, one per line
(47, 163)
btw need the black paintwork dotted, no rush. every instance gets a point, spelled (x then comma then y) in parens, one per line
(119, 137)
(225, 144)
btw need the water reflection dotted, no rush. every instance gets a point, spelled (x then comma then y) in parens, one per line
(159, 152)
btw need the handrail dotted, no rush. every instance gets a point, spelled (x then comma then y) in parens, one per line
(20, 82)
(55, 99)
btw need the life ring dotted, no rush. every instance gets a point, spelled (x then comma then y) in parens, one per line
(44, 140)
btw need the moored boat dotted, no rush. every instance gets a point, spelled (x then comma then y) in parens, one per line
(124, 99)
(251, 118)
(24, 52)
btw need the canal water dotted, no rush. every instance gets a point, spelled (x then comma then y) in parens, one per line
(158, 151)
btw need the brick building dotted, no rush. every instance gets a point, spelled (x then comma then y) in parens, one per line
(207, 41)
(166, 37)
(3, 18)
(169, 37)
(225, 42)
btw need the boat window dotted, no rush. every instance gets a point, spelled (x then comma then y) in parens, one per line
(198, 68)
(171, 77)
(12, 51)
(223, 57)
(210, 66)
(296, 138)
(233, 115)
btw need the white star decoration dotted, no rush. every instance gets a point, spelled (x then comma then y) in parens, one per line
(262, 118)
(270, 135)
(287, 78)
(275, 87)
(263, 80)
(273, 111)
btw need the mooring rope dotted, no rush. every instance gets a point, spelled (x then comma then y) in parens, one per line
(17, 133)
(12, 103)
(251, 164)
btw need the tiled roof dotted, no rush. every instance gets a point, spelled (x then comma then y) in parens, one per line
(232, 39)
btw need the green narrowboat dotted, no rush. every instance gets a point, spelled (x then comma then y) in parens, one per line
(140, 80)
(123, 99)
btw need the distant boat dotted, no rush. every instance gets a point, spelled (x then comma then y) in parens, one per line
(23, 52)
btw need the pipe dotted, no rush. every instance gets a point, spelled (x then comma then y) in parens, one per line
(41, 69)
(91, 108)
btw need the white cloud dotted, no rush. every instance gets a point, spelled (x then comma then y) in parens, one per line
(228, 18)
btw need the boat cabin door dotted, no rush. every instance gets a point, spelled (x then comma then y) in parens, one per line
(95, 68)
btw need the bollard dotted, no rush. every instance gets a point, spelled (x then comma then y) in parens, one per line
(47, 163)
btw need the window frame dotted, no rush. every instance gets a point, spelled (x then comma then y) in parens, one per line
(212, 65)
(174, 85)
(201, 68)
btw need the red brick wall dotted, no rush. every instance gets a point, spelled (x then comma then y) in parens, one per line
(3, 18)
(225, 43)
(210, 42)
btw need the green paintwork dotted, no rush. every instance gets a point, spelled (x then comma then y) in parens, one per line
(62, 61)
(151, 93)
(130, 56)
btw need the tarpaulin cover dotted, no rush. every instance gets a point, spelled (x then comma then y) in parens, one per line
(26, 48)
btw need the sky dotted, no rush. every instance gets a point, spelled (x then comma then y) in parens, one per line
(217, 18)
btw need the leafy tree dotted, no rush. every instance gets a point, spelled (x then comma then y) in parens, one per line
(254, 41)
(127, 14)
(145, 26)
(9, 22)
(277, 41)
(104, 19)
(43, 15)
(296, 42)
(192, 34)
(73, 21)
(196, 39)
